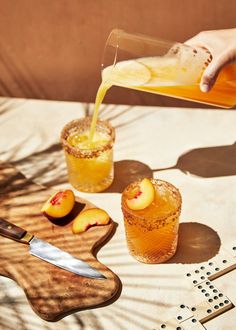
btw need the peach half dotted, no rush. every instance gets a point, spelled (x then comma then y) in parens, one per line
(59, 204)
(142, 196)
(88, 218)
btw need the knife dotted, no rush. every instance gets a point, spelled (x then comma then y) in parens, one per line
(48, 252)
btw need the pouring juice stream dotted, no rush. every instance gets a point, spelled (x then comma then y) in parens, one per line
(103, 88)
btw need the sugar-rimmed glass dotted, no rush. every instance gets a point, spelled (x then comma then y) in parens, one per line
(152, 233)
(89, 170)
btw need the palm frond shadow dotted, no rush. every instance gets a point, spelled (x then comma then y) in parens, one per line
(50, 161)
(24, 83)
(15, 312)
(9, 176)
(48, 164)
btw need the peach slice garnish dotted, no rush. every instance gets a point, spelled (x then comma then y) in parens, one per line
(88, 218)
(142, 197)
(59, 204)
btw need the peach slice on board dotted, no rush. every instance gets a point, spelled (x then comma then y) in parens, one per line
(59, 204)
(88, 218)
(142, 196)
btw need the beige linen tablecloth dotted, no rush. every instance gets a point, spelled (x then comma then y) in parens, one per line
(192, 148)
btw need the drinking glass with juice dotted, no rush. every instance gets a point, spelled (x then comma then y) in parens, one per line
(89, 160)
(151, 210)
(163, 67)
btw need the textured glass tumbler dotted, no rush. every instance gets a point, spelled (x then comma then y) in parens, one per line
(152, 233)
(89, 169)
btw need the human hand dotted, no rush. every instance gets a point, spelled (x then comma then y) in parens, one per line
(222, 46)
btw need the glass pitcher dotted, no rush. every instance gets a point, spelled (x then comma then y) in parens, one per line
(163, 67)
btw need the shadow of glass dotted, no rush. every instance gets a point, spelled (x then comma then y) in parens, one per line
(127, 171)
(208, 162)
(197, 243)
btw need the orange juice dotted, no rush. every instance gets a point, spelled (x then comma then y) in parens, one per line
(223, 94)
(152, 232)
(89, 163)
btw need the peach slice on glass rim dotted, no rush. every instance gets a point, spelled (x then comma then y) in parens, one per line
(142, 196)
(88, 218)
(59, 204)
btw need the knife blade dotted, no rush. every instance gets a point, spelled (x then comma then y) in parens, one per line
(48, 252)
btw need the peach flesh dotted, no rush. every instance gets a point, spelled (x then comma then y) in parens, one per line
(142, 196)
(59, 205)
(88, 218)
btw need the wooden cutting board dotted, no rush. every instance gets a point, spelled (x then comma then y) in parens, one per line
(52, 292)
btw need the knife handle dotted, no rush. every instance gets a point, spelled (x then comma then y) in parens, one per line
(11, 231)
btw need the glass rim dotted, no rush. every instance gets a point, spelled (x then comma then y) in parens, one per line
(107, 43)
(134, 215)
(72, 126)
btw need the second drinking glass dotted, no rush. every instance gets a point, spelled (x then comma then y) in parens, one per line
(151, 231)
